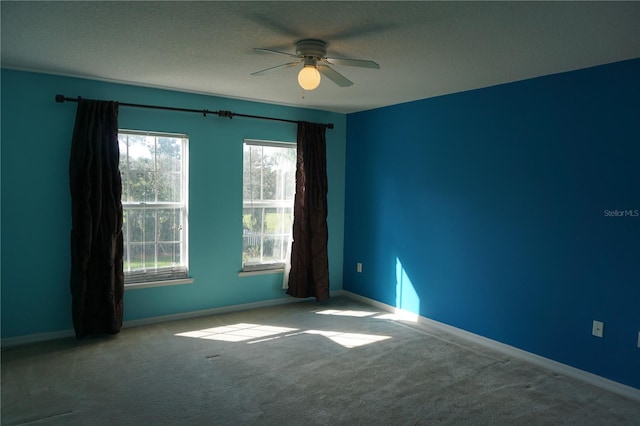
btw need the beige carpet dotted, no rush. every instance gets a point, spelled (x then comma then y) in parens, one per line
(343, 363)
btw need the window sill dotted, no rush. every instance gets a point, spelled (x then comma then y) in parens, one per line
(164, 283)
(260, 272)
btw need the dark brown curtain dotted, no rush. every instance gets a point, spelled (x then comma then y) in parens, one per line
(97, 280)
(309, 275)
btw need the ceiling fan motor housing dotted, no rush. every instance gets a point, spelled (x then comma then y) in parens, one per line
(311, 47)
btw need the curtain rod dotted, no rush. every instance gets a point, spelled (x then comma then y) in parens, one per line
(204, 112)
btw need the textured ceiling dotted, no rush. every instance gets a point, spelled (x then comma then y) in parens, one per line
(424, 49)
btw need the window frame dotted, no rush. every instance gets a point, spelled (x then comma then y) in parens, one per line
(266, 267)
(168, 275)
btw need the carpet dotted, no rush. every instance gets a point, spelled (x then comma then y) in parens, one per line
(340, 363)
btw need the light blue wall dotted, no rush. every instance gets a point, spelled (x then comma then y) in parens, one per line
(36, 214)
(485, 210)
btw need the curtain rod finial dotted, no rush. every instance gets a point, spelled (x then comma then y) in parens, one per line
(60, 98)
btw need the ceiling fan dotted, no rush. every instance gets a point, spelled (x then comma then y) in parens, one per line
(312, 53)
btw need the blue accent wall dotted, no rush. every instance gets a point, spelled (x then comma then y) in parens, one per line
(36, 205)
(493, 211)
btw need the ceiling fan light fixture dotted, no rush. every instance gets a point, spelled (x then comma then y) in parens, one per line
(309, 77)
(312, 52)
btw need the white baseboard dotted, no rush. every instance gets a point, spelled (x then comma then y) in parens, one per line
(8, 342)
(41, 337)
(560, 368)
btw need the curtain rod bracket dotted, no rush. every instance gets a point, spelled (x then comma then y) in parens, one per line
(225, 114)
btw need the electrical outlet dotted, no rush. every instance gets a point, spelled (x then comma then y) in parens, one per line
(598, 328)
(358, 267)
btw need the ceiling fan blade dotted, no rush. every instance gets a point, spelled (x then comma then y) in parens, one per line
(259, 49)
(360, 31)
(334, 76)
(275, 25)
(353, 63)
(277, 67)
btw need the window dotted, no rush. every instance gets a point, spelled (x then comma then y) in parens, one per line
(267, 205)
(154, 201)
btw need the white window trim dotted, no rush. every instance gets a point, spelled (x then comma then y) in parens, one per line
(255, 269)
(154, 205)
(261, 272)
(277, 144)
(164, 283)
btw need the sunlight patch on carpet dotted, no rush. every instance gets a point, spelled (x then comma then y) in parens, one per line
(399, 315)
(237, 333)
(256, 333)
(346, 313)
(349, 340)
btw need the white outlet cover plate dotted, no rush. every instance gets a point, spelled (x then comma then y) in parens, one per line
(598, 328)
